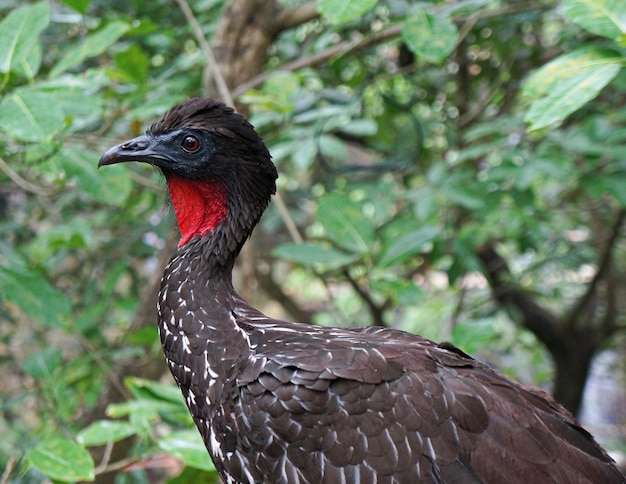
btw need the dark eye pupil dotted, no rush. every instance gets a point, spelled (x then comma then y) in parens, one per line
(191, 143)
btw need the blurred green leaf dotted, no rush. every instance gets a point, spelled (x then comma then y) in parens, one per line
(30, 114)
(104, 431)
(312, 254)
(19, 33)
(187, 446)
(407, 245)
(29, 64)
(360, 127)
(107, 186)
(142, 388)
(145, 336)
(337, 11)
(62, 460)
(402, 291)
(345, 223)
(42, 364)
(94, 44)
(78, 5)
(462, 7)
(191, 474)
(34, 296)
(568, 82)
(430, 37)
(473, 335)
(601, 17)
(615, 186)
(72, 235)
(466, 195)
(132, 65)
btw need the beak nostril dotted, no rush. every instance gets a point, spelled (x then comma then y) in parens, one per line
(134, 145)
(131, 150)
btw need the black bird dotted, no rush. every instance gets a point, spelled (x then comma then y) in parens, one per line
(281, 402)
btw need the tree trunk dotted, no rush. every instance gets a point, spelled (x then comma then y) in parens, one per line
(571, 367)
(572, 339)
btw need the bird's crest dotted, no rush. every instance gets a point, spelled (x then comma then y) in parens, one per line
(206, 114)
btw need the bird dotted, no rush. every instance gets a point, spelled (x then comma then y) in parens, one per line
(284, 402)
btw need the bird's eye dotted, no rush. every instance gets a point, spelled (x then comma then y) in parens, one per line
(190, 144)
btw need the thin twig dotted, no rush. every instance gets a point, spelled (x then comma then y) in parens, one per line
(106, 457)
(222, 87)
(120, 464)
(8, 469)
(294, 233)
(24, 184)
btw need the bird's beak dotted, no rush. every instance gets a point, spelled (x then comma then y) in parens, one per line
(143, 148)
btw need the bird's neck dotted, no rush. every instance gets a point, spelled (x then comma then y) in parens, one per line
(200, 205)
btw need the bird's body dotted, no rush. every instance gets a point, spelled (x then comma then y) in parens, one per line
(282, 402)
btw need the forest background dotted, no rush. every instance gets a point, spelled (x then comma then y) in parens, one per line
(455, 169)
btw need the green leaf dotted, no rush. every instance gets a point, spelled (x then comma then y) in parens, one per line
(107, 186)
(28, 65)
(428, 36)
(565, 84)
(360, 127)
(187, 446)
(402, 291)
(34, 296)
(132, 65)
(78, 5)
(147, 409)
(105, 431)
(345, 223)
(471, 336)
(72, 235)
(63, 460)
(30, 114)
(19, 33)
(338, 11)
(465, 196)
(615, 186)
(94, 44)
(462, 7)
(190, 474)
(310, 254)
(142, 388)
(41, 364)
(601, 17)
(407, 245)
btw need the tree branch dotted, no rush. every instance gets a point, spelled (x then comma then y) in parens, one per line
(537, 319)
(376, 310)
(213, 68)
(584, 304)
(23, 183)
(292, 17)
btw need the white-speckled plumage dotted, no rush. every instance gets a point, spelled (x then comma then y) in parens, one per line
(281, 402)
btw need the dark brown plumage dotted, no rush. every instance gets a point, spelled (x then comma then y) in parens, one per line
(277, 401)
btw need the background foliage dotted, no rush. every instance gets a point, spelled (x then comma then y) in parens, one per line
(454, 169)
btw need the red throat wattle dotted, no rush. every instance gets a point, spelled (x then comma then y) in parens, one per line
(199, 205)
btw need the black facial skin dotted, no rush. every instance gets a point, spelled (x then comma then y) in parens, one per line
(171, 152)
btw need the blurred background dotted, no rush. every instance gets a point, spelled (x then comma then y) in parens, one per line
(455, 169)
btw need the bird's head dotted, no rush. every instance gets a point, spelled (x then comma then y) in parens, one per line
(216, 166)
